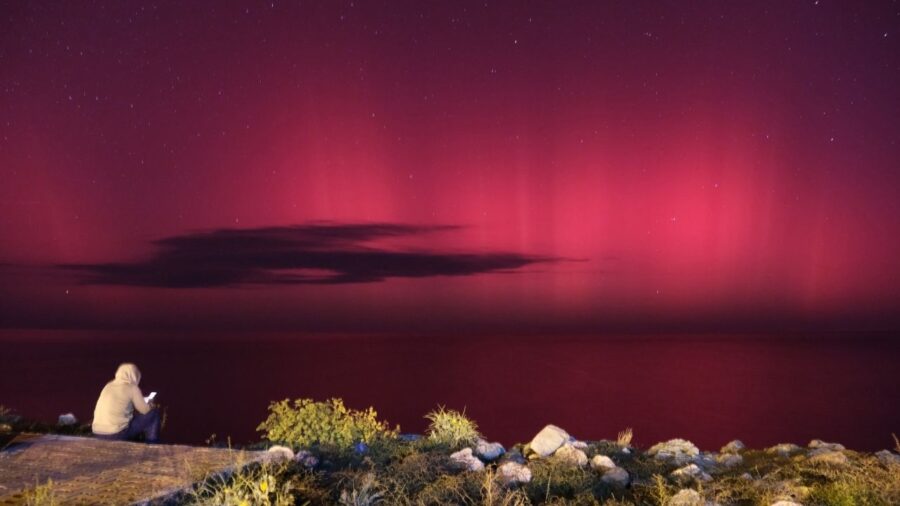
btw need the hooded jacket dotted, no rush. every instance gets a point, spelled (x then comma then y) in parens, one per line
(118, 400)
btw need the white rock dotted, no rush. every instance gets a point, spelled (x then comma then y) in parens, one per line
(571, 455)
(887, 458)
(616, 476)
(511, 473)
(548, 440)
(281, 452)
(818, 443)
(466, 460)
(626, 451)
(685, 497)
(67, 419)
(602, 463)
(729, 459)
(688, 473)
(581, 445)
(735, 446)
(489, 451)
(784, 449)
(678, 451)
(747, 476)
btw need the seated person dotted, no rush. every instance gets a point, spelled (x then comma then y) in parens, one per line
(121, 412)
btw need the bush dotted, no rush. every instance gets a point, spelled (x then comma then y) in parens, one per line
(265, 484)
(452, 428)
(306, 423)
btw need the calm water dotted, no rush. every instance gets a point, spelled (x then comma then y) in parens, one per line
(709, 390)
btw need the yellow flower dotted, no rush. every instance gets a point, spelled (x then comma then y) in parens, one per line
(244, 503)
(264, 485)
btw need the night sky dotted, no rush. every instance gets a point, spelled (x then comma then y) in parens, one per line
(501, 167)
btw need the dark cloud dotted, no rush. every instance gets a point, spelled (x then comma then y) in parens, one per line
(319, 253)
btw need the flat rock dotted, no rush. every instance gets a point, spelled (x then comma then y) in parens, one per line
(602, 463)
(87, 470)
(679, 451)
(548, 440)
(511, 473)
(464, 459)
(819, 444)
(616, 476)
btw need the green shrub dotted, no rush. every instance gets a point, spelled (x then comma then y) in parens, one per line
(265, 484)
(452, 428)
(306, 423)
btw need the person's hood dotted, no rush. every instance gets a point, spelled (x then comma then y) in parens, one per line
(128, 373)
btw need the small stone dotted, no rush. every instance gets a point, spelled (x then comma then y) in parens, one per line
(729, 459)
(685, 497)
(783, 449)
(678, 451)
(735, 446)
(602, 463)
(511, 473)
(581, 445)
(489, 451)
(818, 443)
(548, 440)
(616, 476)
(67, 419)
(887, 458)
(829, 457)
(689, 473)
(747, 476)
(306, 459)
(571, 455)
(465, 460)
(278, 452)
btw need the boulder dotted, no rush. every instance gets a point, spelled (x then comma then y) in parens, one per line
(887, 458)
(678, 451)
(511, 473)
(616, 476)
(828, 457)
(685, 497)
(602, 463)
(279, 452)
(729, 459)
(571, 455)
(465, 460)
(488, 452)
(66, 419)
(306, 459)
(735, 446)
(689, 473)
(548, 440)
(783, 449)
(819, 444)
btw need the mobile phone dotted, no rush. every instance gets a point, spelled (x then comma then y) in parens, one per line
(150, 397)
